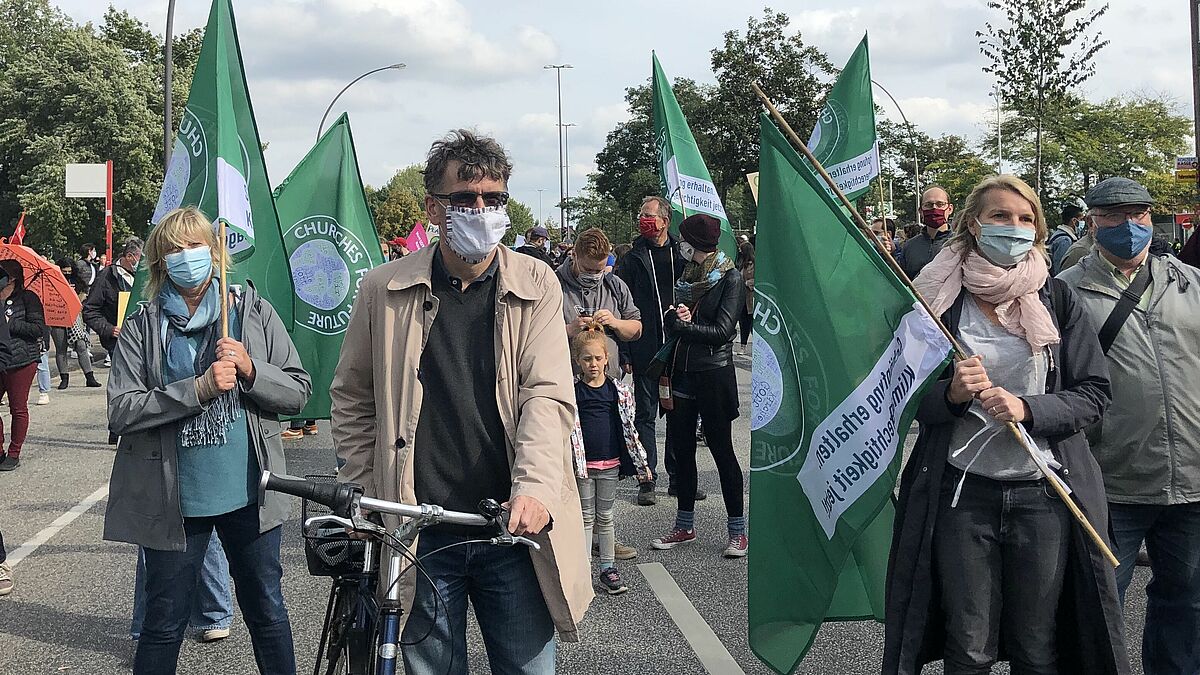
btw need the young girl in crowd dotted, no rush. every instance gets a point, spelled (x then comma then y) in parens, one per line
(606, 447)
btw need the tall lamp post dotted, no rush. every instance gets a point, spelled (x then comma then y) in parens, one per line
(562, 181)
(912, 140)
(541, 219)
(999, 137)
(566, 169)
(394, 66)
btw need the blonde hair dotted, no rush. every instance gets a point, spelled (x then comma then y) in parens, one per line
(179, 229)
(964, 241)
(593, 332)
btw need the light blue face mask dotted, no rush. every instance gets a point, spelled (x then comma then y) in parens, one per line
(1004, 245)
(190, 267)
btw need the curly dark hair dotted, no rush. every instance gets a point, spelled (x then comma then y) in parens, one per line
(480, 156)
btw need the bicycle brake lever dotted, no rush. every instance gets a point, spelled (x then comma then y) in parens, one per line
(507, 539)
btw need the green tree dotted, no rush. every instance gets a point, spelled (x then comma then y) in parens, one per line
(948, 160)
(591, 209)
(1028, 57)
(399, 203)
(772, 53)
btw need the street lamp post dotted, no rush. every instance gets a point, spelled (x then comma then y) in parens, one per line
(562, 182)
(566, 169)
(999, 136)
(912, 140)
(541, 219)
(394, 66)
(167, 68)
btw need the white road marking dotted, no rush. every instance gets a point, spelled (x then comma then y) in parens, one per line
(54, 528)
(712, 654)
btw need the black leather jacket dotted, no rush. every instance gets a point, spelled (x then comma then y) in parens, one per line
(27, 326)
(705, 341)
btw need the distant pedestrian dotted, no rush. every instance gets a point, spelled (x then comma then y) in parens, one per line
(936, 209)
(27, 325)
(744, 262)
(86, 267)
(74, 343)
(100, 308)
(1066, 234)
(536, 241)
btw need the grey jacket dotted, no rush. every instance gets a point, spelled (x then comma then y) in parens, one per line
(612, 294)
(1148, 444)
(143, 501)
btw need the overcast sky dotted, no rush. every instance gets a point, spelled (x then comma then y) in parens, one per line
(481, 64)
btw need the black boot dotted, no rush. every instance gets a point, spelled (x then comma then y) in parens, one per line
(63, 382)
(91, 380)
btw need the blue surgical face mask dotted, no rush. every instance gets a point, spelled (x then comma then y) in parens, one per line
(190, 267)
(1004, 245)
(1126, 240)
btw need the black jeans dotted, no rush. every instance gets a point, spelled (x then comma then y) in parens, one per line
(745, 324)
(712, 408)
(3, 555)
(254, 565)
(645, 398)
(1000, 556)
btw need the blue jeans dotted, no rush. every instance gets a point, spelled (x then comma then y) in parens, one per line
(171, 578)
(502, 587)
(1171, 640)
(645, 399)
(43, 373)
(212, 604)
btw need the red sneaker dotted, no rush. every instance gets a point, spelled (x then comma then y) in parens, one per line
(674, 539)
(738, 546)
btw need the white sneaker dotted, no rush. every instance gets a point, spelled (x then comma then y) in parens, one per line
(108, 362)
(43, 398)
(6, 580)
(214, 634)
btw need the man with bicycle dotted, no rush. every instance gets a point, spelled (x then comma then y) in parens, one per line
(454, 386)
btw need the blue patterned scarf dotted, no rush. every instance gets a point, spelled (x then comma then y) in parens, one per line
(189, 348)
(698, 278)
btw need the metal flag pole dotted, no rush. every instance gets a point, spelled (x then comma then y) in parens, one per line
(959, 353)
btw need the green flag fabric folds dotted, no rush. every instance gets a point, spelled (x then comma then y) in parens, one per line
(331, 244)
(843, 140)
(684, 177)
(217, 166)
(842, 353)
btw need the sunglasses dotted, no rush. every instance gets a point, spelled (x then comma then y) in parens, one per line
(467, 198)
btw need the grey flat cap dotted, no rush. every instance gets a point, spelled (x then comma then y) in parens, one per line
(1116, 191)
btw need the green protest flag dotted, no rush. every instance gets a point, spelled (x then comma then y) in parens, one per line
(844, 139)
(331, 244)
(842, 354)
(217, 166)
(684, 177)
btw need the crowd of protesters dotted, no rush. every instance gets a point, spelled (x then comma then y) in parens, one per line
(545, 369)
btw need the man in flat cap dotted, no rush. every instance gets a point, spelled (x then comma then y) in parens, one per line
(1147, 309)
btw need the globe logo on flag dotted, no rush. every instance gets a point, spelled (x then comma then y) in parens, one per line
(328, 262)
(189, 161)
(829, 131)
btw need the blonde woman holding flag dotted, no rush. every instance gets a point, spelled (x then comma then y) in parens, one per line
(987, 563)
(195, 399)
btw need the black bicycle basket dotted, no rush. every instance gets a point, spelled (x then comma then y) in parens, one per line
(329, 551)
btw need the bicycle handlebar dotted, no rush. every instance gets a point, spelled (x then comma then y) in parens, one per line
(340, 498)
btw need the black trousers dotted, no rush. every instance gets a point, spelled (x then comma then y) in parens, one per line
(745, 323)
(712, 405)
(645, 398)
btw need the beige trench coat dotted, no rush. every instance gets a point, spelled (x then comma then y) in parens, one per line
(377, 401)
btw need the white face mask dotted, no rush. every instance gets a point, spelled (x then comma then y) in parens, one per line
(686, 250)
(474, 233)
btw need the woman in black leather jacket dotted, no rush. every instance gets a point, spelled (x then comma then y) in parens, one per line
(711, 296)
(27, 325)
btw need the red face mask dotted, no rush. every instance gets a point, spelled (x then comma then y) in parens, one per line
(648, 226)
(933, 217)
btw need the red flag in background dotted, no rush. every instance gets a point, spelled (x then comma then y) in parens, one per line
(19, 231)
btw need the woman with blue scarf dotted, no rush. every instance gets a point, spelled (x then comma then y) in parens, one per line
(197, 413)
(711, 297)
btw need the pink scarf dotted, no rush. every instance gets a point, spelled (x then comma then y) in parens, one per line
(1014, 291)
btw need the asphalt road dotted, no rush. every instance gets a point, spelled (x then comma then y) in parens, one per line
(70, 610)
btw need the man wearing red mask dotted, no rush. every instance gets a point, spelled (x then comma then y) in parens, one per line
(650, 271)
(935, 216)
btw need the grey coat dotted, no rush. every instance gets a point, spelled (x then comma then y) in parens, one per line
(143, 501)
(1148, 444)
(1090, 637)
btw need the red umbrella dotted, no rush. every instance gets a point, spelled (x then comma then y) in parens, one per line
(46, 280)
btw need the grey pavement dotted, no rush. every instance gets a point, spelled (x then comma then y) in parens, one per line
(70, 610)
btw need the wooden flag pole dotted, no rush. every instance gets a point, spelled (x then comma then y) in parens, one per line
(959, 353)
(224, 285)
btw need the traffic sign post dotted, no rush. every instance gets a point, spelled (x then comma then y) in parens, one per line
(94, 180)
